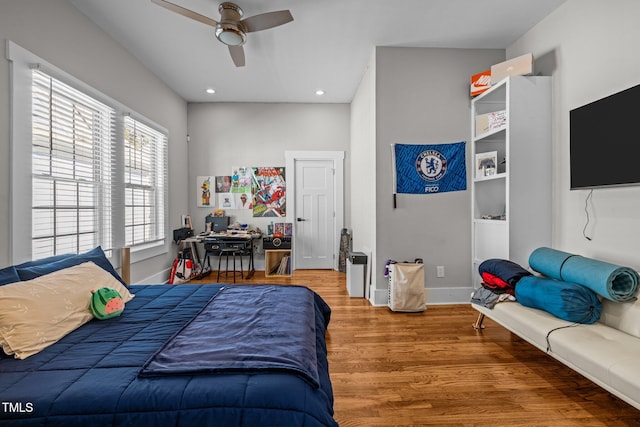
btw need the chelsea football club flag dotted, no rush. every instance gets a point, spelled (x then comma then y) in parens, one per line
(426, 169)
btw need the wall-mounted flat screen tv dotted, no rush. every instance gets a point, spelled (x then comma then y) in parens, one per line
(605, 141)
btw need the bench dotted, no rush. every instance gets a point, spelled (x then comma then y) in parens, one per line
(606, 352)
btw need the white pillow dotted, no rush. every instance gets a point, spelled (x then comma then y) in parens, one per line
(37, 313)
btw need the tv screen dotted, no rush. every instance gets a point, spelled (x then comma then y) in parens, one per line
(605, 141)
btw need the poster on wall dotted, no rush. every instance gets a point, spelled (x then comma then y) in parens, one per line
(269, 192)
(428, 169)
(243, 200)
(241, 179)
(223, 184)
(204, 192)
(223, 192)
(226, 201)
(241, 187)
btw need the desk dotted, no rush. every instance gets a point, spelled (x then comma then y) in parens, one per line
(243, 241)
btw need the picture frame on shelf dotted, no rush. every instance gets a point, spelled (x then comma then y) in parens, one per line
(486, 164)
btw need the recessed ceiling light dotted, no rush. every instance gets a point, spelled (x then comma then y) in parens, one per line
(319, 92)
(210, 90)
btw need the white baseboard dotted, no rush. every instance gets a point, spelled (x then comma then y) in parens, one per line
(160, 277)
(435, 296)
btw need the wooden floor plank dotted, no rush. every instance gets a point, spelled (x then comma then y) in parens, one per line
(434, 369)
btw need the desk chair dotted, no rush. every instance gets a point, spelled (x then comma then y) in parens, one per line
(233, 251)
(224, 248)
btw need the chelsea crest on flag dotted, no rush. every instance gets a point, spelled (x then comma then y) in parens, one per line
(427, 169)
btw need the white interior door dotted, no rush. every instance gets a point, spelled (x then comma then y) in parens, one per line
(314, 238)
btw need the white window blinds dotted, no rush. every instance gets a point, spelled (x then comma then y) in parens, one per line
(98, 175)
(72, 164)
(145, 153)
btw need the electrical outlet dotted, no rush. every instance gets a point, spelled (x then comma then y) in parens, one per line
(440, 271)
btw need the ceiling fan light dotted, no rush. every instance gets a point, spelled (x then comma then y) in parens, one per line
(230, 35)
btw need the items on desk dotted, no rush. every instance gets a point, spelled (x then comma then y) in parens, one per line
(182, 233)
(186, 221)
(216, 224)
(282, 229)
(272, 242)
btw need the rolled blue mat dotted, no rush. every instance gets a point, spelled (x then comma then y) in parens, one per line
(610, 281)
(566, 300)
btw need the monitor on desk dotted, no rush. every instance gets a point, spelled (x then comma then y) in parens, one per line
(218, 223)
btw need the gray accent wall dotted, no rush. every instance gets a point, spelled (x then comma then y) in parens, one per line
(422, 97)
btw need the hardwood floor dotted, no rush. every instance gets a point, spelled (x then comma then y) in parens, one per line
(434, 369)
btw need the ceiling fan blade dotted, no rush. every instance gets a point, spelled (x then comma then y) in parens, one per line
(266, 20)
(185, 12)
(237, 54)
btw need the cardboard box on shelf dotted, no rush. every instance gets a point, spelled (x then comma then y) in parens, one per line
(480, 82)
(520, 66)
(490, 121)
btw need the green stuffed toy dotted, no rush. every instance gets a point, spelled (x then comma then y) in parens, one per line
(106, 303)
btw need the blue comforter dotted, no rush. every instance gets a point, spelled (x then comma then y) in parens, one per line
(90, 377)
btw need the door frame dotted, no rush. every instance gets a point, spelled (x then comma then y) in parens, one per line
(337, 157)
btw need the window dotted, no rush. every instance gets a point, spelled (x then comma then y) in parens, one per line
(85, 170)
(145, 183)
(71, 169)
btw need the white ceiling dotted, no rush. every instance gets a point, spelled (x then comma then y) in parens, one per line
(327, 45)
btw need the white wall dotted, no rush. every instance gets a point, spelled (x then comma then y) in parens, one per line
(590, 47)
(223, 135)
(363, 154)
(58, 33)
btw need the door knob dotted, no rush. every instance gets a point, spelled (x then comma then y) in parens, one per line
(300, 219)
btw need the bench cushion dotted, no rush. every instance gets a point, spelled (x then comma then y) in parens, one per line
(624, 316)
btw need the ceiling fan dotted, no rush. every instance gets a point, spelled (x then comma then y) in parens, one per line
(232, 29)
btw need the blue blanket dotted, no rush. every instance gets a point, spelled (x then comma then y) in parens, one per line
(245, 329)
(610, 281)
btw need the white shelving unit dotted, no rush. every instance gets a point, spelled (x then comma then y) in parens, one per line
(511, 209)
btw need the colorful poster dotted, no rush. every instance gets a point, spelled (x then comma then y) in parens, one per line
(241, 179)
(269, 192)
(204, 191)
(427, 169)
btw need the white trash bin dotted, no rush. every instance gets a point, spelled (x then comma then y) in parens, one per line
(356, 262)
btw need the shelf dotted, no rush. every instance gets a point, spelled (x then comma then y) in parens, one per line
(522, 184)
(501, 175)
(489, 221)
(277, 262)
(492, 132)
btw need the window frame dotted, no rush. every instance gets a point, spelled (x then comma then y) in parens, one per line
(20, 134)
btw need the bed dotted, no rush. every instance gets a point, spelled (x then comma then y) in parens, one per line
(131, 370)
